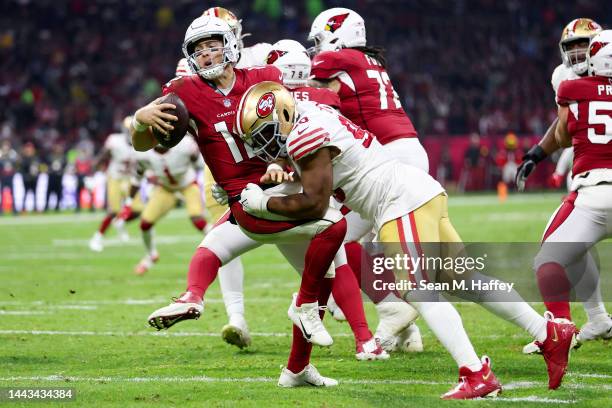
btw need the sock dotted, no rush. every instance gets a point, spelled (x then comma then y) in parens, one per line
(347, 296)
(132, 216)
(106, 223)
(299, 357)
(203, 270)
(231, 277)
(555, 289)
(319, 256)
(199, 223)
(588, 289)
(362, 265)
(509, 306)
(148, 236)
(445, 323)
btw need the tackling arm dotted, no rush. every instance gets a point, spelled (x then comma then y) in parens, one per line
(317, 183)
(331, 84)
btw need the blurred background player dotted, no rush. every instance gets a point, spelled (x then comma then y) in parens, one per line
(120, 156)
(174, 172)
(344, 63)
(231, 275)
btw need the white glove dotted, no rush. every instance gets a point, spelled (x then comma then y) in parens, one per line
(254, 201)
(219, 194)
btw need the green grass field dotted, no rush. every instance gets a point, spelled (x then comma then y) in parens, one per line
(73, 318)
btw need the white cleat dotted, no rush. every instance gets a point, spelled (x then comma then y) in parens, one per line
(309, 376)
(95, 243)
(335, 310)
(307, 319)
(370, 350)
(188, 306)
(146, 263)
(597, 329)
(236, 332)
(533, 348)
(394, 316)
(119, 225)
(409, 340)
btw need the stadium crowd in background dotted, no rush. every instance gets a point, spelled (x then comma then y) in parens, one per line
(457, 72)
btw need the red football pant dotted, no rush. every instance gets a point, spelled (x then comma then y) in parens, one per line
(348, 297)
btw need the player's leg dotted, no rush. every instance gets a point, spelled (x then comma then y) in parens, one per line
(160, 202)
(222, 244)
(393, 312)
(113, 205)
(231, 278)
(119, 223)
(348, 296)
(401, 236)
(193, 203)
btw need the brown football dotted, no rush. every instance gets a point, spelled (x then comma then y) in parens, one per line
(180, 126)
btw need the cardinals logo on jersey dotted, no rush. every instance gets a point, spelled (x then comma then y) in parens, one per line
(265, 105)
(335, 22)
(596, 46)
(274, 55)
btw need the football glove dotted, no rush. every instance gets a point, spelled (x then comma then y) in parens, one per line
(254, 201)
(219, 194)
(535, 155)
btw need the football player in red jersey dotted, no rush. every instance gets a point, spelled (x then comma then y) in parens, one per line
(573, 46)
(583, 219)
(344, 63)
(211, 97)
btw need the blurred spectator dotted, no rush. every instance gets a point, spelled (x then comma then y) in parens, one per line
(474, 166)
(509, 158)
(56, 164)
(29, 168)
(8, 164)
(83, 168)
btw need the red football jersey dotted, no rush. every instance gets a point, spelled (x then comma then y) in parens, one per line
(318, 95)
(231, 162)
(589, 121)
(367, 95)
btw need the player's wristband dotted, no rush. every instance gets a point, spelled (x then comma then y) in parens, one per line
(139, 127)
(273, 167)
(536, 153)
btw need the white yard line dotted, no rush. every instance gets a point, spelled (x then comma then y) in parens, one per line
(21, 312)
(533, 398)
(142, 333)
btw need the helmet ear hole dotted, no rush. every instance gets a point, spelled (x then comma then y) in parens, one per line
(286, 115)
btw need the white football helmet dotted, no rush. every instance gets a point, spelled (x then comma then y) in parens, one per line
(206, 27)
(599, 56)
(337, 28)
(292, 59)
(578, 29)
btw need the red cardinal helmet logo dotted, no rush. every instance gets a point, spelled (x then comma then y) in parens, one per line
(335, 22)
(596, 46)
(265, 105)
(274, 55)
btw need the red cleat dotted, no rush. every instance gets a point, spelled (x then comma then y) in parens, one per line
(560, 339)
(475, 384)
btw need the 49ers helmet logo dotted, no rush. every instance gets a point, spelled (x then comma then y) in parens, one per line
(335, 22)
(265, 105)
(274, 55)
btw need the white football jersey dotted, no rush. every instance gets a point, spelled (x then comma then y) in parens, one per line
(364, 179)
(174, 169)
(560, 74)
(122, 156)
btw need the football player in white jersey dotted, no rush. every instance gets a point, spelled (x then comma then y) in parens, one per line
(174, 172)
(406, 205)
(120, 155)
(231, 276)
(573, 46)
